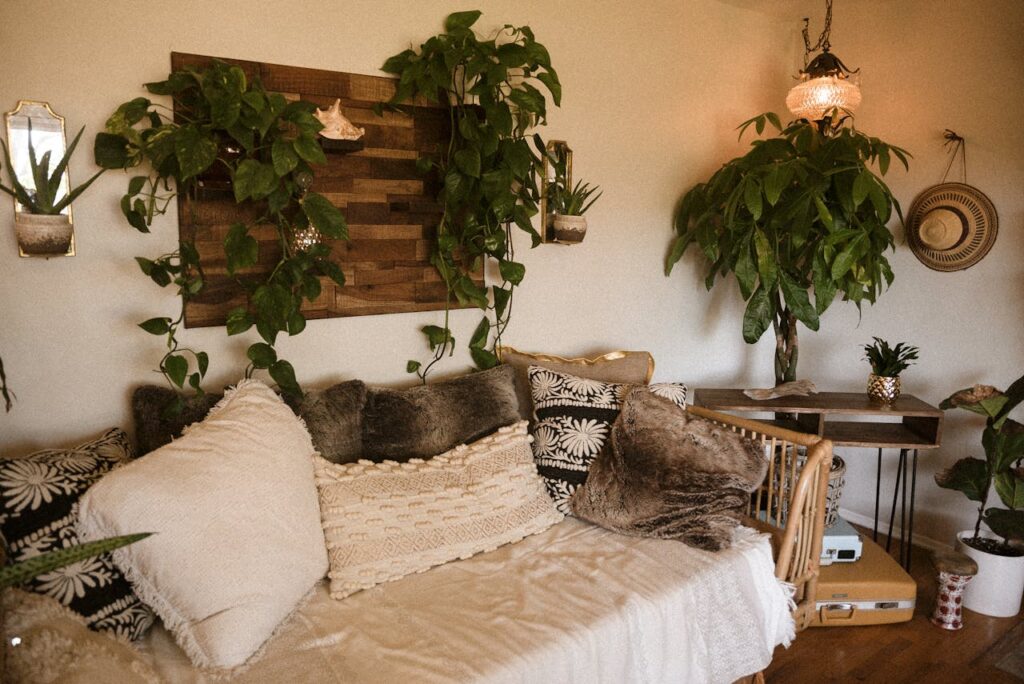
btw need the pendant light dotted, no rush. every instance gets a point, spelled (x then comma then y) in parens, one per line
(825, 83)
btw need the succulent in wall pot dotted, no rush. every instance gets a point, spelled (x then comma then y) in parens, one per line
(44, 227)
(570, 205)
(999, 584)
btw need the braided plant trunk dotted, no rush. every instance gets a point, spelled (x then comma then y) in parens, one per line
(787, 349)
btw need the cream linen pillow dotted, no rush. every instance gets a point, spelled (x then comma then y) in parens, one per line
(386, 520)
(237, 540)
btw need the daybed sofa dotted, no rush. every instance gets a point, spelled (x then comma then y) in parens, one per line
(573, 603)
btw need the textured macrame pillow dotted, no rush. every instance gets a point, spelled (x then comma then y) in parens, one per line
(237, 540)
(383, 521)
(38, 510)
(574, 418)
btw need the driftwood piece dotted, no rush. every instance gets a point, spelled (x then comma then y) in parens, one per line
(797, 388)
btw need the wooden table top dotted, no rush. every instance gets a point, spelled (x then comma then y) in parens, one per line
(854, 403)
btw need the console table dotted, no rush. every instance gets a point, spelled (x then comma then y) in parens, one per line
(852, 419)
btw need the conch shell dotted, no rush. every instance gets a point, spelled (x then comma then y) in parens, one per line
(336, 126)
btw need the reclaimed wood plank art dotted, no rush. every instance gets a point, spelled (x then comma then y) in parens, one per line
(391, 210)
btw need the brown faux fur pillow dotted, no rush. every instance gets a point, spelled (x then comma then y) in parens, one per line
(668, 474)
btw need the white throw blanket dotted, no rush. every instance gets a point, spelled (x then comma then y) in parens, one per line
(574, 604)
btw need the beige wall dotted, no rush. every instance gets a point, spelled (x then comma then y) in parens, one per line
(653, 91)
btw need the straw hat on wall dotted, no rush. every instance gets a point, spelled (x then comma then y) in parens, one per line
(951, 226)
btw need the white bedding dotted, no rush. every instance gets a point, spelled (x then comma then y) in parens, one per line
(574, 604)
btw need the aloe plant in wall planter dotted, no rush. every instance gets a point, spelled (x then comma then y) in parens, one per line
(800, 213)
(266, 146)
(569, 206)
(44, 228)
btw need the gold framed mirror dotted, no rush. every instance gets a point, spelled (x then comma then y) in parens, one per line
(33, 126)
(557, 176)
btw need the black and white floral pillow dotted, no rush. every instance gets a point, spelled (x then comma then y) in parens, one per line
(38, 512)
(574, 419)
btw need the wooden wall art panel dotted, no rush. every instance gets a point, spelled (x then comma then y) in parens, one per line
(391, 210)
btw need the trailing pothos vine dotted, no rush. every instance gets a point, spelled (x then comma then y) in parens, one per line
(266, 146)
(488, 170)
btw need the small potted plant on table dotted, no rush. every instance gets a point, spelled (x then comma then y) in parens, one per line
(886, 365)
(570, 205)
(43, 228)
(999, 584)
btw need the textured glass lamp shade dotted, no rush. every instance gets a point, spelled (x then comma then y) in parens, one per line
(814, 97)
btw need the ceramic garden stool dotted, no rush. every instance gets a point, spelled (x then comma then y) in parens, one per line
(955, 571)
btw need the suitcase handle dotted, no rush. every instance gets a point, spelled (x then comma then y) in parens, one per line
(828, 613)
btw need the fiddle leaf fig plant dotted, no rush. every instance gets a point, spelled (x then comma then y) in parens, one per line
(1003, 466)
(265, 146)
(798, 220)
(488, 171)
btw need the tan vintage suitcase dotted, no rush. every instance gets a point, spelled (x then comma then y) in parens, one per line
(874, 590)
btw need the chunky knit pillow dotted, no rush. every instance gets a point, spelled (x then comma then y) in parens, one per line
(383, 521)
(38, 510)
(574, 419)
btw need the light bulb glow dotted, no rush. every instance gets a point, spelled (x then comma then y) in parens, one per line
(814, 98)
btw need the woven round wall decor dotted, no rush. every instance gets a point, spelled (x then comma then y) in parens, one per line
(951, 226)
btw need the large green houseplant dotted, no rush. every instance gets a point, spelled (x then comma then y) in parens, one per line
(801, 213)
(488, 170)
(266, 146)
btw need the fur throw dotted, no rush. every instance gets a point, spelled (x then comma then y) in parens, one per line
(334, 418)
(427, 420)
(155, 425)
(665, 473)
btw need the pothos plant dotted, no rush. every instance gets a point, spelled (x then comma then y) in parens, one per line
(488, 170)
(266, 146)
(799, 213)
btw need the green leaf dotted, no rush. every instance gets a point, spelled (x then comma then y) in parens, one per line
(846, 259)
(752, 198)
(823, 213)
(437, 336)
(461, 20)
(757, 316)
(746, 272)
(483, 358)
(767, 267)
(968, 475)
(262, 355)
(411, 366)
(307, 147)
(331, 270)
(511, 271)
(238, 321)
(862, 186)
(480, 334)
(1010, 487)
(468, 161)
(242, 250)
(798, 301)
(284, 375)
(1007, 524)
(194, 151)
(501, 300)
(324, 216)
(824, 286)
(176, 368)
(156, 326)
(111, 151)
(202, 362)
(284, 157)
(550, 80)
(22, 571)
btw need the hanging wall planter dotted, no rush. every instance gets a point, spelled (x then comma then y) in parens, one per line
(569, 228)
(44, 234)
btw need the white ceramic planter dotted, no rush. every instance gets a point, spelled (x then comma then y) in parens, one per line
(570, 228)
(997, 589)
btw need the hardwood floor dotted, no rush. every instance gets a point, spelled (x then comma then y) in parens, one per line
(914, 651)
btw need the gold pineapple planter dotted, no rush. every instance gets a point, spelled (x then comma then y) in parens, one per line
(883, 388)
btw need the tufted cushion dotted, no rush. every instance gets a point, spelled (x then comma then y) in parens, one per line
(39, 497)
(426, 420)
(574, 418)
(383, 521)
(237, 540)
